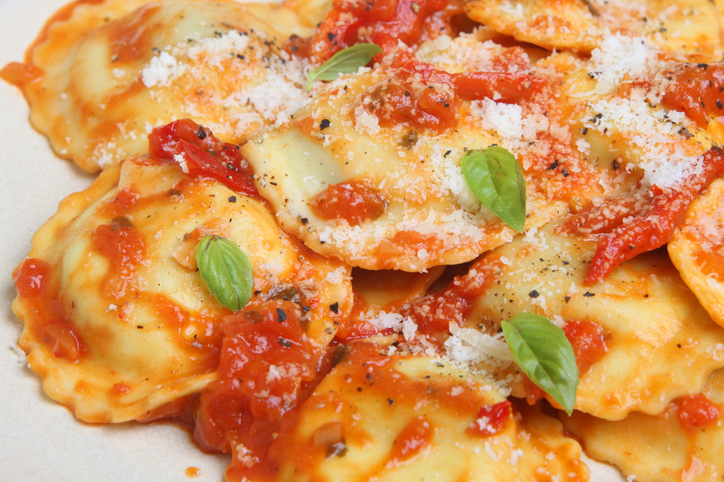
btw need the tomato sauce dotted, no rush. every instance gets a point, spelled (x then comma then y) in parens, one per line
(589, 346)
(21, 75)
(382, 22)
(265, 359)
(652, 228)
(426, 98)
(205, 156)
(412, 441)
(492, 419)
(697, 90)
(588, 341)
(697, 411)
(396, 101)
(125, 248)
(354, 201)
(131, 39)
(46, 318)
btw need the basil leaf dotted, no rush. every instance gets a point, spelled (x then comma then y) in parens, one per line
(545, 355)
(226, 271)
(346, 61)
(496, 179)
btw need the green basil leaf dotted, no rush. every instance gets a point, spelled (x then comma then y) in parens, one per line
(545, 355)
(226, 271)
(346, 61)
(496, 179)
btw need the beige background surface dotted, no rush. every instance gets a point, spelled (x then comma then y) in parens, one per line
(40, 440)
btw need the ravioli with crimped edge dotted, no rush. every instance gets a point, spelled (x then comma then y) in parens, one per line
(629, 333)
(581, 25)
(130, 66)
(682, 443)
(406, 418)
(117, 319)
(380, 187)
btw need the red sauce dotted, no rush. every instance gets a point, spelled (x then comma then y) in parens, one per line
(382, 22)
(653, 227)
(698, 90)
(697, 411)
(21, 75)
(46, 317)
(492, 419)
(505, 87)
(131, 37)
(434, 313)
(120, 389)
(205, 342)
(125, 248)
(588, 341)
(265, 358)
(427, 98)
(589, 346)
(205, 155)
(396, 102)
(412, 441)
(354, 201)
(122, 203)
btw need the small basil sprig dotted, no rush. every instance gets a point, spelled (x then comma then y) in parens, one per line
(346, 61)
(496, 179)
(226, 271)
(545, 355)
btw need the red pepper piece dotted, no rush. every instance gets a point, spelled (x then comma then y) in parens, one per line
(652, 228)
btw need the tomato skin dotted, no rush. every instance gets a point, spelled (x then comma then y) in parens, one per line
(205, 155)
(697, 411)
(353, 201)
(653, 227)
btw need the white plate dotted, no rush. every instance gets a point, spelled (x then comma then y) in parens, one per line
(41, 441)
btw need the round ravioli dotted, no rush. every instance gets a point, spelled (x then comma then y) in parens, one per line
(697, 249)
(683, 443)
(682, 26)
(656, 341)
(97, 82)
(118, 320)
(389, 418)
(369, 171)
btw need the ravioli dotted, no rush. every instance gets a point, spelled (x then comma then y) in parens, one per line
(98, 81)
(118, 321)
(681, 26)
(695, 249)
(416, 209)
(660, 343)
(660, 448)
(409, 417)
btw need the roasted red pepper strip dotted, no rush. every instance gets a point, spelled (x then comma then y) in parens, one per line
(653, 228)
(382, 22)
(205, 155)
